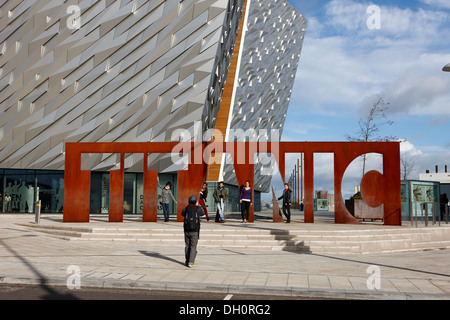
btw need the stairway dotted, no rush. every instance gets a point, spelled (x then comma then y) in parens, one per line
(349, 241)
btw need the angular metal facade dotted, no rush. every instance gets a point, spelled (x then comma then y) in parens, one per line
(135, 71)
(270, 56)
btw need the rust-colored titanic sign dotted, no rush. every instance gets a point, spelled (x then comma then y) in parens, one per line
(377, 188)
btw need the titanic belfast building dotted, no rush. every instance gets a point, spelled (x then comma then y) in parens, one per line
(138, 71)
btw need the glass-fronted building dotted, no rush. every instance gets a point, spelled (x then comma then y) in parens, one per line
(141, 72)
(21, 189)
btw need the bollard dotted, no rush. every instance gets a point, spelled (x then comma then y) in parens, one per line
(38, 212)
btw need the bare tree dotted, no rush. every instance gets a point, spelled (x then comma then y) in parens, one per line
(369, 127)
(407, 166)
(407, 163)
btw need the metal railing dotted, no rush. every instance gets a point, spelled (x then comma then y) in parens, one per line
(428, 212)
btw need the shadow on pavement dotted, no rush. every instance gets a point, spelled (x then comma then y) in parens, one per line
(381, 265)
(290, 244)
(50, 293)
(159, 256)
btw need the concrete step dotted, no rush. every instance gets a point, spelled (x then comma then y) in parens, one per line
(363, 241)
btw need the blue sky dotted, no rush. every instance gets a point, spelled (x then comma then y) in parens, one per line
(345, 67)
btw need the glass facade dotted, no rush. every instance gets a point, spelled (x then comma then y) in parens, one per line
(133, 192)
(21, 189)
(420, 199)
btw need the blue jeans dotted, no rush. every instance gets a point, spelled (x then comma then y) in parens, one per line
(221, 208)
(165, 207)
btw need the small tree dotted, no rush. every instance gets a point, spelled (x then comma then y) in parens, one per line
(369, 127)
(407, 163)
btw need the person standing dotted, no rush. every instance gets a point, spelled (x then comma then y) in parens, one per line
(191, 226)
(166, 191)
(220, 197)
(286, 197)
(444, 203)
(246, 200)
(202, 199)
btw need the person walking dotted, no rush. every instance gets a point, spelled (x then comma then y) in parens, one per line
(246, 200)
(191, 226)
(443, 206)
(220, 197)
(202, 199)
(166, 191)
(286, 197)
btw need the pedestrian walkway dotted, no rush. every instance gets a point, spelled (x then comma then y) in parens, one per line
(29, 256)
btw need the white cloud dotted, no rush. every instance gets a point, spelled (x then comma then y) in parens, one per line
(438, 3)
(328, 77)
(426, 94)
(351, 16)
(347, 14)
(343, 67)
(409, 148)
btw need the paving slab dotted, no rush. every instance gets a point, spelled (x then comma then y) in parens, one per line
(319, 281)
(340, 283)
(28, 256)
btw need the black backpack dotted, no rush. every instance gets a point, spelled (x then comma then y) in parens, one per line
(191, 219)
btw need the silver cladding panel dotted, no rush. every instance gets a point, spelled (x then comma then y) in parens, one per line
(134, 71)
(269, 62)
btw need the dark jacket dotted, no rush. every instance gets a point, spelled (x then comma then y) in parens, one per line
(286, 196)
(193, 211)
(204, 195)
(217, 193)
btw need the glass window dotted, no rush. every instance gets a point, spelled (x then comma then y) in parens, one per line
(18, 191)
(99, 195)
(50, 188)
(96, 193)
(140, 193)
(129, 193)
(164, 178)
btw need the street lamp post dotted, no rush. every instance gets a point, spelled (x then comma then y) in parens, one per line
(446, 68)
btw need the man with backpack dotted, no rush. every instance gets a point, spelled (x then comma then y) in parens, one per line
(191, 214)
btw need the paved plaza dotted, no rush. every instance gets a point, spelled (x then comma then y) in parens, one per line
(32, 257)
